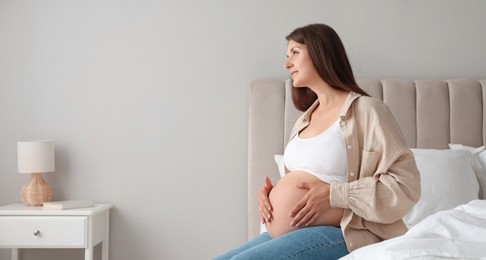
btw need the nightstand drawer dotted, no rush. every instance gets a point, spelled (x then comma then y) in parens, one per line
(63, 231)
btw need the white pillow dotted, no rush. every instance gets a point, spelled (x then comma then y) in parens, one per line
(478, 163)
(447, 180)
(280, 164)
(263, 228)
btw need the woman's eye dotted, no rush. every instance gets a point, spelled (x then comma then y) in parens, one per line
(295, 52)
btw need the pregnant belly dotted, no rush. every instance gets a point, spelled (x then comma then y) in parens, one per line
(285, 195)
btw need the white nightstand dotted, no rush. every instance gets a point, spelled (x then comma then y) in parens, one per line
(34, 227)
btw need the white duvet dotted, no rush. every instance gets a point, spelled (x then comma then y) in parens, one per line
(458, 233)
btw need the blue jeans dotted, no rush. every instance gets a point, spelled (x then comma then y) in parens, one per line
(321, 242)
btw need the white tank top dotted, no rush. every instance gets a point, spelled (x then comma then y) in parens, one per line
(323, 156)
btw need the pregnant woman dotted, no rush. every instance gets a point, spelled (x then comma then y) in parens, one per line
(351, 176)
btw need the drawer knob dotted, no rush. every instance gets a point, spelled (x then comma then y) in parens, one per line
(36, 232)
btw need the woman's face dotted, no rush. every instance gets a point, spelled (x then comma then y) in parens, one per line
(299, 64)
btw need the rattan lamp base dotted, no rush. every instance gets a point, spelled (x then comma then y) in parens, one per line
(36, 191)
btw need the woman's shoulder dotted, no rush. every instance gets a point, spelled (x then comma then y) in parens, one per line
(370, 108)
(367, 103)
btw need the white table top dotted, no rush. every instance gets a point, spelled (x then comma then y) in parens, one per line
(19, 209)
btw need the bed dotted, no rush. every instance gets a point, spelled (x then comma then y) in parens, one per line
(444, 123)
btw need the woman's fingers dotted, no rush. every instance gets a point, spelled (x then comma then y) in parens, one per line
(268, 183)
(264, 212)
(309, 208)
(313, 219)
(265, 206)
(298, 207)
(268, 187)
(263, 217)
(300, 217)
(307, 219)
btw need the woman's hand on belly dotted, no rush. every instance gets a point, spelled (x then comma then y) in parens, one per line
(264, 204)
(312, 205)
(285, 195)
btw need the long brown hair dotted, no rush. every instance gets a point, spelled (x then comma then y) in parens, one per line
(328, 57)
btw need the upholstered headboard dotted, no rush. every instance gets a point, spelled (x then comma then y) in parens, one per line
(431, 114)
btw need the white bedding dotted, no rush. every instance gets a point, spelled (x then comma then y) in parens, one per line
(459, 233)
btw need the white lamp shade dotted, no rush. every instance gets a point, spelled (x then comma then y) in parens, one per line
(35, 156)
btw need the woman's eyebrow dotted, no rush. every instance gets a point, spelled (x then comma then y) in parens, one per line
(292, 49)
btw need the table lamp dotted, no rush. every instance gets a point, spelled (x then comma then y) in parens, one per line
(36, 157)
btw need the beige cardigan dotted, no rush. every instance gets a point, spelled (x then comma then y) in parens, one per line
(383, 181)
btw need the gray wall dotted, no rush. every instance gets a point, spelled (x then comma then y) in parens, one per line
(147, 100)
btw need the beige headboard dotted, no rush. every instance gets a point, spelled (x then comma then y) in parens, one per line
(431, 114)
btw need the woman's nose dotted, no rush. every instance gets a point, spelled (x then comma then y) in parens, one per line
(287, 65)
